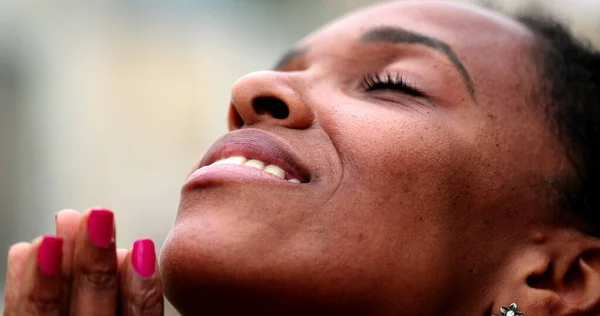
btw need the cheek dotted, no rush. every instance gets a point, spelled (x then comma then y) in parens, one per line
(399, 153)
(398, 192)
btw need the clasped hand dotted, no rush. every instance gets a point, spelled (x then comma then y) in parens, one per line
(79, 272)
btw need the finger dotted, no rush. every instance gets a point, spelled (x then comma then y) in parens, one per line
(67, 223)
(95, 279)
(38, 292)
(121, 254)
(17, 256)
(141, 288)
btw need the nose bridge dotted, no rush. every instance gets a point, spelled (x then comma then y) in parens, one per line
(263, 96)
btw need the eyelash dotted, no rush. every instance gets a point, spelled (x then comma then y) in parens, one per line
(389, 81)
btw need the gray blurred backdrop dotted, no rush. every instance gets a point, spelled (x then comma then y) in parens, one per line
(108, 103)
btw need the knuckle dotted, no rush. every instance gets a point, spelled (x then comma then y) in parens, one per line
(43, 305)
(148, 302)
(100, 280)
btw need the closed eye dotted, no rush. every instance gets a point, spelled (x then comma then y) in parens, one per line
(389, 81)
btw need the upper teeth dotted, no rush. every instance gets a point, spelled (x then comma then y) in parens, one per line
(239, 160)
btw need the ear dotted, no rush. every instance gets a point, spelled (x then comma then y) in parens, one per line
(558, 275)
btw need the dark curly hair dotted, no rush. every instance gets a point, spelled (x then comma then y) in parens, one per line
(570, 96)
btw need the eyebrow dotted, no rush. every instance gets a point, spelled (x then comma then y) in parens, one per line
(396, 35)
(288, 57)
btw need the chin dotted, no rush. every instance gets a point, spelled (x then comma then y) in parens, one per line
(220, 259)
(209, 273)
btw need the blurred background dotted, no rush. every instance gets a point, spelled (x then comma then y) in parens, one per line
(108, 103)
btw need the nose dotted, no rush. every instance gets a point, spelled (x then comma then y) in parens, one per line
(268, 97)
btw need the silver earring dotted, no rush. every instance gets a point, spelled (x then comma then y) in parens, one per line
(511, 310)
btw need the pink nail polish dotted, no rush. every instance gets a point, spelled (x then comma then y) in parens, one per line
(100, 227)
(143, 257)
(50, 255)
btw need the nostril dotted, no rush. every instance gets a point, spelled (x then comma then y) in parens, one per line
(235, 118)
(273, 106)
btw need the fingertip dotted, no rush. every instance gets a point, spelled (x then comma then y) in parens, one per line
(141, 284)
(67, 221)
(143, 257)
(36, 241)
(18, 250)
(121, 255)
(50, 255)
(15, 271)
(66, 213)
(101, 227)
(96, 209)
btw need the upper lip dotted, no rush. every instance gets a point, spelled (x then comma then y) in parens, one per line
(257, 144)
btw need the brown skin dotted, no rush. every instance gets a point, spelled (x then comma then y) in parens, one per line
(416, 206)
(436, 204)
(92, 281)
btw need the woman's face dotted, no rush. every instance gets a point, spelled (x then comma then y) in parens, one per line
(410, 194)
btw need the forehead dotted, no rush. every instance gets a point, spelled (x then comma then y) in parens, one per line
(460, 25)
(495, 49)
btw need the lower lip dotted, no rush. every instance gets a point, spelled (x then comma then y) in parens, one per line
(230, 172)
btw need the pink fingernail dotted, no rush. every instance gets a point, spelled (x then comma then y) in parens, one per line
(100, 227)
(143, 257)
(50, 255)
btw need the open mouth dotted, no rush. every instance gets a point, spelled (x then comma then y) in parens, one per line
(273, 169)
(241, 153)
